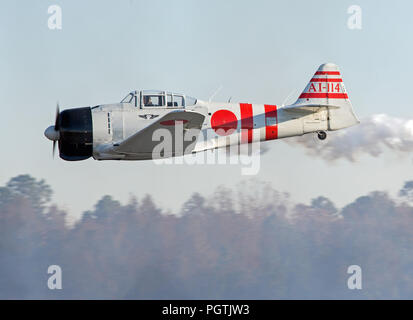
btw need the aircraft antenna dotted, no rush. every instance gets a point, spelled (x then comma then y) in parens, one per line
(215, 93)
(286, 99)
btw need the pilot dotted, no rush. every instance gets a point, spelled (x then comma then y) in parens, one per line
(148, 101)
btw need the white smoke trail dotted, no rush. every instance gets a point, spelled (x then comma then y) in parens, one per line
(372, 136)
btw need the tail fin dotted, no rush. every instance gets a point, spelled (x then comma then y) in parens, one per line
(326, 88)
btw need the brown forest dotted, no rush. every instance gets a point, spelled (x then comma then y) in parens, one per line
(233, 244)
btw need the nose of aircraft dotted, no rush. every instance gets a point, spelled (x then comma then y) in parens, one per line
(73, 130)
(51, 134)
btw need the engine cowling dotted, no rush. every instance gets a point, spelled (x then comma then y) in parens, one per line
(76, 134)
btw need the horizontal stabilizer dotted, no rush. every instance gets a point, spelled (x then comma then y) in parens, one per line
(309, 108)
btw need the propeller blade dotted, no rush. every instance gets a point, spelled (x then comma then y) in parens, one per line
(56, 126)
(54, 148)
(56, 123)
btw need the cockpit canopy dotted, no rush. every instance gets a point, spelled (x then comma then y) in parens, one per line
(156, 98)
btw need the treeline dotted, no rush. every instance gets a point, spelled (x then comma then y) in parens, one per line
(249, 243)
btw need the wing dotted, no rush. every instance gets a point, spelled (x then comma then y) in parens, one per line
(168, 135)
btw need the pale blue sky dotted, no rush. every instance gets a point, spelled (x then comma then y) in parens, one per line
(259, 51)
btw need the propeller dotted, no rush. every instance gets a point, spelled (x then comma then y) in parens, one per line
(53, 132)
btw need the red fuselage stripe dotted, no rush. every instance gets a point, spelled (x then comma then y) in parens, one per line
(247, 122)
(271, 131)
(324, 95)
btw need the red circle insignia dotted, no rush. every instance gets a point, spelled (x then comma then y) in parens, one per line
(224, 122)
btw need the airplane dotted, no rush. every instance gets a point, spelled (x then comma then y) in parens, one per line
(130, 130)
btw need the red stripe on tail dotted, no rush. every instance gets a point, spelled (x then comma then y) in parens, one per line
(325, 80)
(331, 73)
(324, 95)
